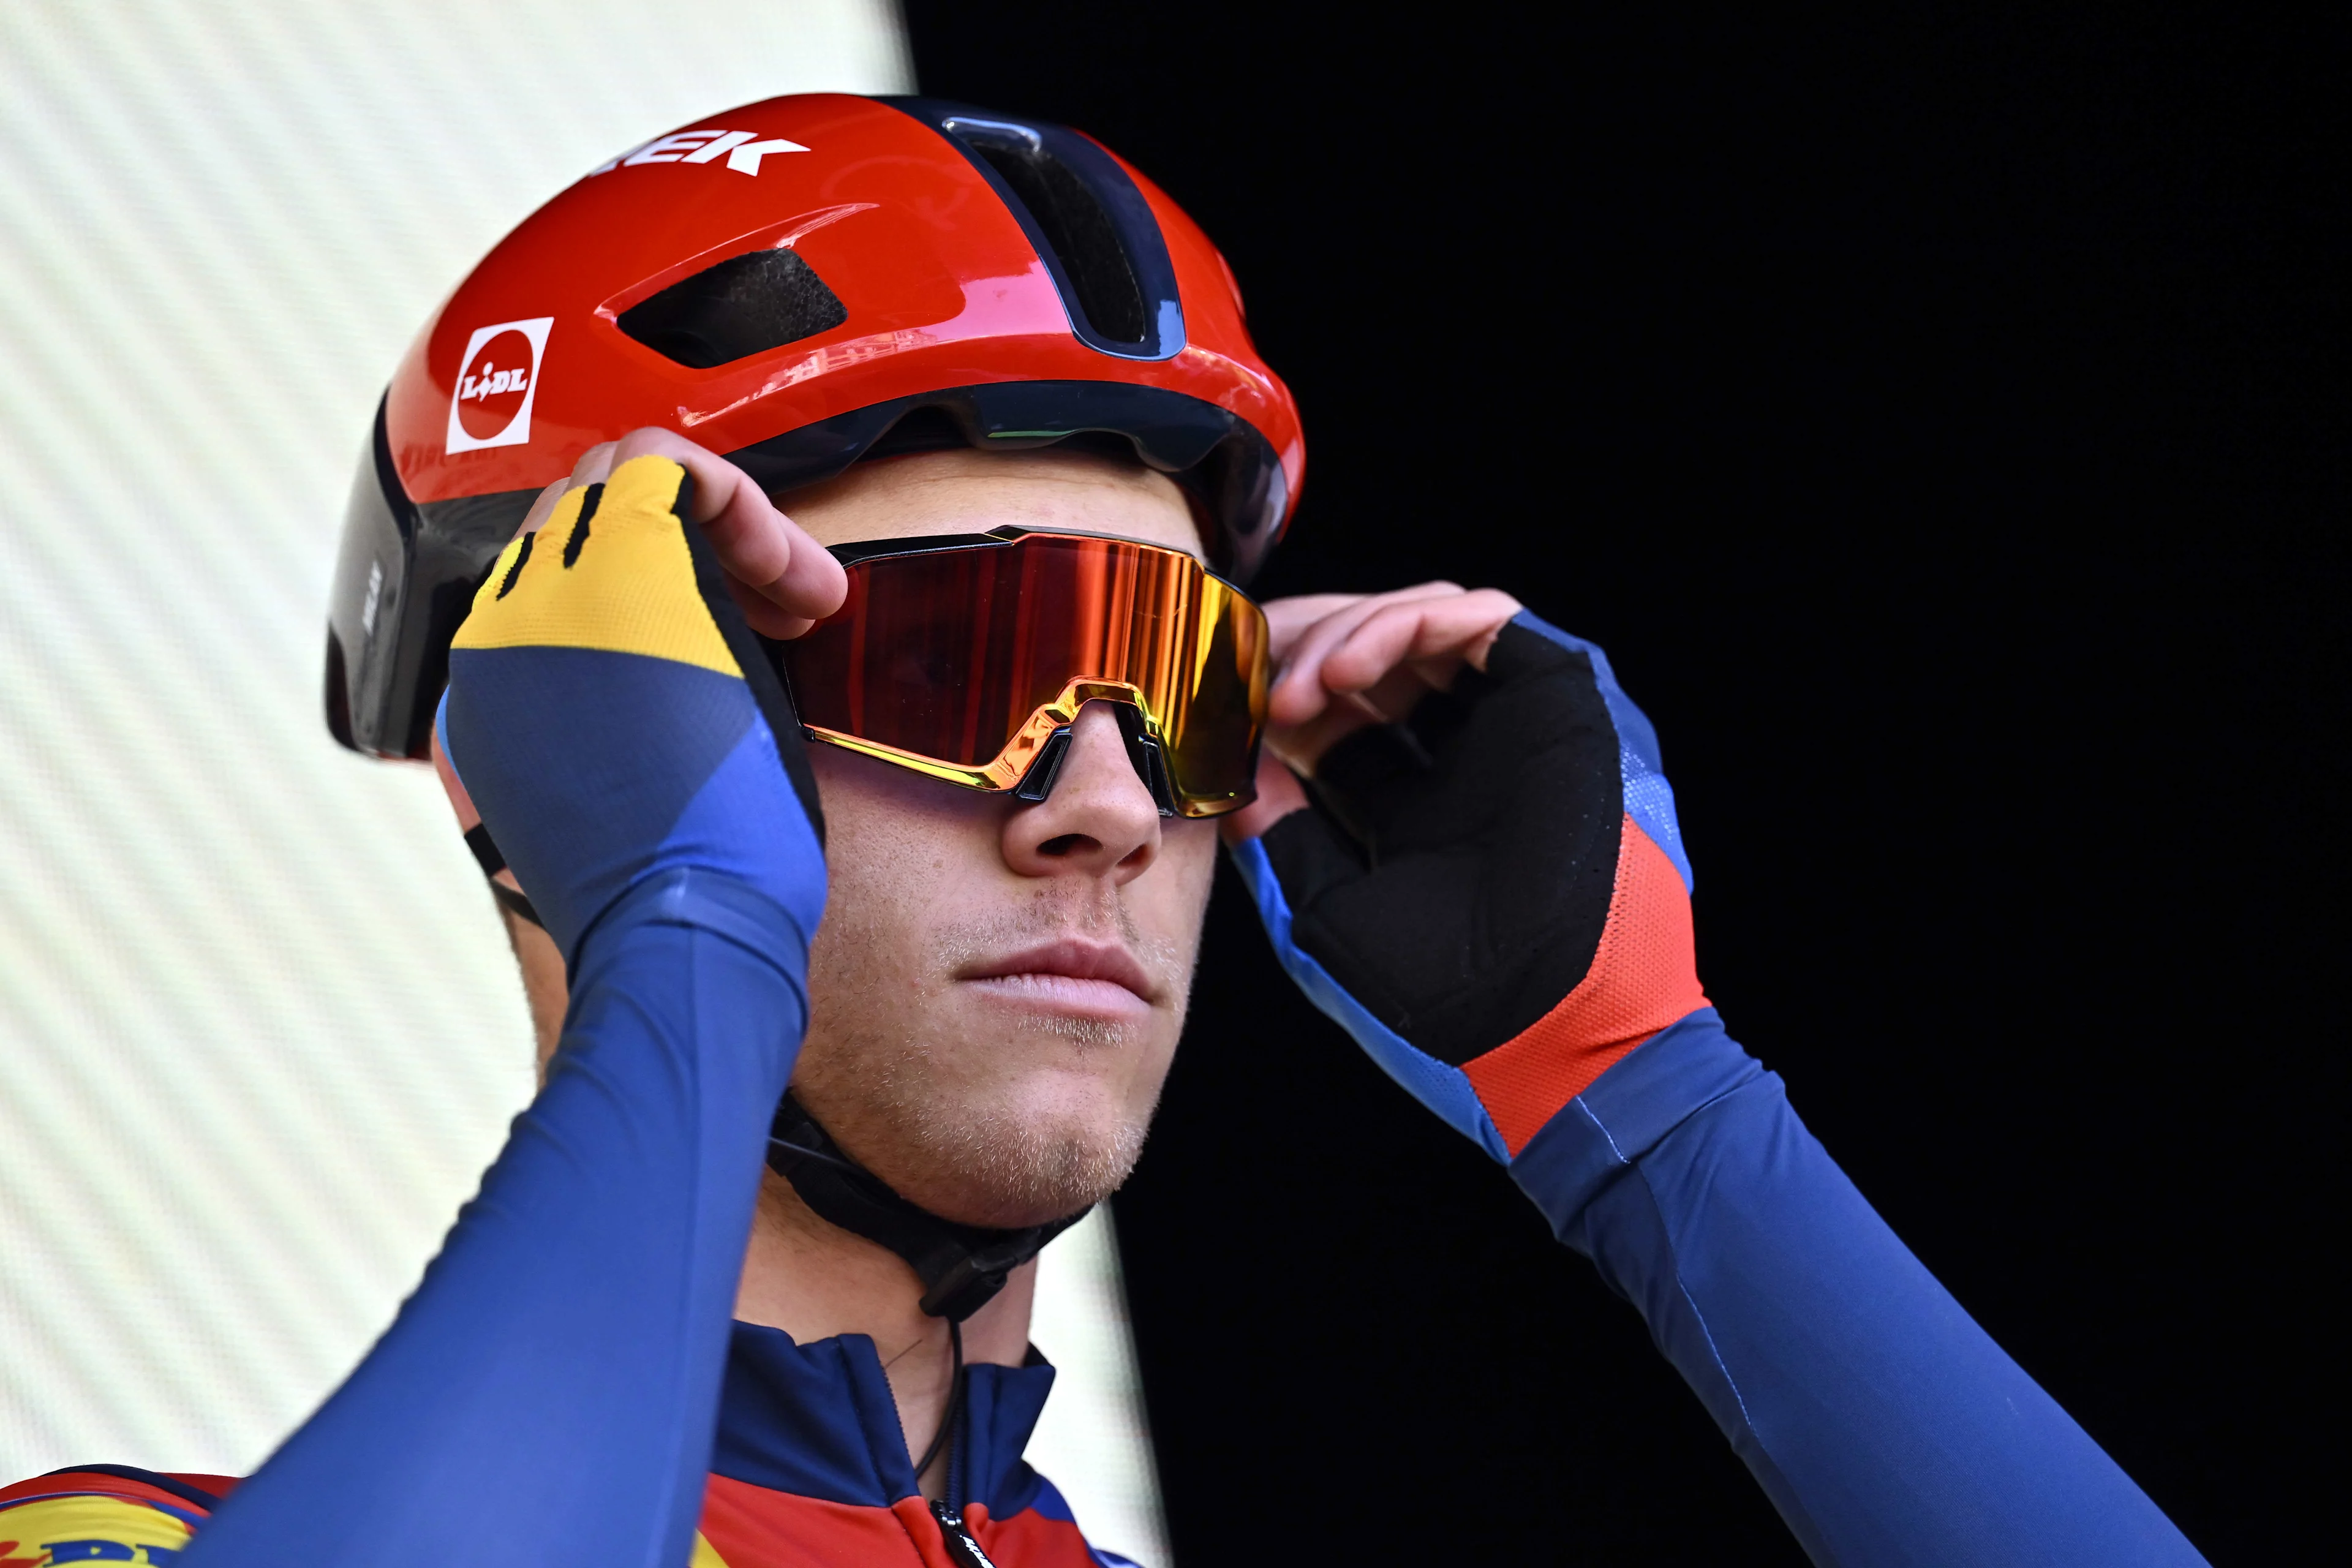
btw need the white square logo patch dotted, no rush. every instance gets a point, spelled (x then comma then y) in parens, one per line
(497, 382)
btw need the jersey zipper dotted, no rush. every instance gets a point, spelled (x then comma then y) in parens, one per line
(962, 1548)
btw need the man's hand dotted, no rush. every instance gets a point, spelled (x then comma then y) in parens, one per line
(1346, 661)
(631, 748)
(1464, 852)
(783, 580)
(609, 710)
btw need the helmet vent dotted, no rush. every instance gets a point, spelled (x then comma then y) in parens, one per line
(745, 305)
(1074, 222)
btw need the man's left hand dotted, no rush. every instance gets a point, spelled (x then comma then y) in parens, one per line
(1346, 661)
(1465, 851)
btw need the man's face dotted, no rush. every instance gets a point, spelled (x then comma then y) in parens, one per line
(997, 988)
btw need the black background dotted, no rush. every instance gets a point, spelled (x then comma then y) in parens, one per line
(1941, 422)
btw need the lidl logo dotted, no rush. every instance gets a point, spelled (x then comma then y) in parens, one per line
(497, 381)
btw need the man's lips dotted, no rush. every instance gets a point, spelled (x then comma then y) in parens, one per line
(1071, 974)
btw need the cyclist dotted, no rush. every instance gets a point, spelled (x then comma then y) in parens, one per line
(807, 549)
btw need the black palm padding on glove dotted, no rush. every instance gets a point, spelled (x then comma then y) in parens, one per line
(1454, 871)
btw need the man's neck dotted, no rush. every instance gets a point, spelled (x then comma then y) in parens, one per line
(814, 1280)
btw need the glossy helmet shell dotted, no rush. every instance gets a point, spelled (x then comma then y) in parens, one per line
(798, 284)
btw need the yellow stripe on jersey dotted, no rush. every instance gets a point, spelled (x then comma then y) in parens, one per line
(629, 586)
(89, 1528)
(116, 1529)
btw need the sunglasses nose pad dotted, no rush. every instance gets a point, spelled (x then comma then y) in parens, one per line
(1038, 782)
(1150, 763)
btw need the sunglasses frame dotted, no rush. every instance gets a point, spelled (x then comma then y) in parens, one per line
(1027, 762)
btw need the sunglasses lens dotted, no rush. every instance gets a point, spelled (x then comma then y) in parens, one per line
(1218, 700)
(948, 654)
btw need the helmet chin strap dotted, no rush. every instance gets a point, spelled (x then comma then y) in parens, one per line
(963, 1267)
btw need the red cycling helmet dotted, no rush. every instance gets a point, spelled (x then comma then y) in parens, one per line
(799, 284)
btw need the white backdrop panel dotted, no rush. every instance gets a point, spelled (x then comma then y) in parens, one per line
(258, 1029)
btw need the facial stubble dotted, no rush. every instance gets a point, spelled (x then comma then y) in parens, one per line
(926, 1113)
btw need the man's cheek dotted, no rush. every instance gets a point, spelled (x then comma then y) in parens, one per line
(1179, 902)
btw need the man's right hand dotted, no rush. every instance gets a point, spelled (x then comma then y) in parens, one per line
(1490, 893)
(610, 713)
(548, 1391)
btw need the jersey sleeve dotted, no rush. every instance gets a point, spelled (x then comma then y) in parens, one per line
(549, 1393)
(1884, 1424)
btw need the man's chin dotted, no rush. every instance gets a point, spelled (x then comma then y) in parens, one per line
(1007, 1180)
(1001, 1164)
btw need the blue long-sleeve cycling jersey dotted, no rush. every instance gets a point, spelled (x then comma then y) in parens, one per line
(549, 1393)
(553, 1392)
(1884, 1424)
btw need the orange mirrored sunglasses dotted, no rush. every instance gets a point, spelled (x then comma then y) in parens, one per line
(967, 658)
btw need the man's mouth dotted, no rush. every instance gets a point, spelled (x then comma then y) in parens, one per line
(1071, 975)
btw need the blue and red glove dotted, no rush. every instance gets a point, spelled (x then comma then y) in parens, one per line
(1492, 897)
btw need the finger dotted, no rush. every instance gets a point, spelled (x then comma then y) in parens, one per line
(1400, 656)
(1476, 650)
(763, 615)
(1288, 620)
(758, 545)
(536, 518)
(1437, 634)
(596, 465)
(1298, 691)
(775, 557)
(1372, 660)
(715, 479)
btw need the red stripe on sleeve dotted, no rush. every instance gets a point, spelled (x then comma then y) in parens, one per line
(1645, 976)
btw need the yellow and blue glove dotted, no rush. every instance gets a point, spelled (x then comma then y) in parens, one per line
(614, 718)
(550, 1392)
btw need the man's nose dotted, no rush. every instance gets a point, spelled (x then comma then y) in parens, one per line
(1100, 820)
